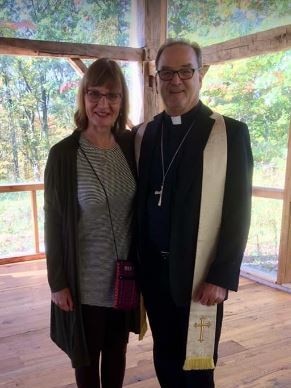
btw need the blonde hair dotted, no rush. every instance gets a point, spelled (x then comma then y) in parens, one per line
(102, 72)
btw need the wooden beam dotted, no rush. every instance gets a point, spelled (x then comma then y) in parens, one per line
(36, 48)
(276, 39)
(284, 265)
(155, 33)
(78, 65)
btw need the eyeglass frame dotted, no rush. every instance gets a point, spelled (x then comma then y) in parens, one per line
(100, 95)
(193, 69)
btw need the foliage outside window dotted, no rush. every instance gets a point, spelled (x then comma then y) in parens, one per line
(37, 101)
(77, 21)
(37, 96)
(213, 21)
(37, 104)
(257, 91)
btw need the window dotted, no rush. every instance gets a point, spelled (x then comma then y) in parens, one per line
(77, 21)
(257, 91)
(213, 21)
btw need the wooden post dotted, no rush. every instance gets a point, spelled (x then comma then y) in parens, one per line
(284, 265)
(35, 220)
(151, 34)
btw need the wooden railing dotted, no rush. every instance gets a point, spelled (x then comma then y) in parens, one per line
(268, 192)
(264, 192)
(32, 188)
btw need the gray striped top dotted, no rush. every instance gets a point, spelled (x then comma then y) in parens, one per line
(97, 253)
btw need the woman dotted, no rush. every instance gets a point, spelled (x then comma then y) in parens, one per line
(89, 174)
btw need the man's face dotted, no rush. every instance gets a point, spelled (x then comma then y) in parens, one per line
(179, 96)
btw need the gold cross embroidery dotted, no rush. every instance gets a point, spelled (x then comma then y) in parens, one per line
(202, 325)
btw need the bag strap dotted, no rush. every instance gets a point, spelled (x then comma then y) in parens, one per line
(106, 197)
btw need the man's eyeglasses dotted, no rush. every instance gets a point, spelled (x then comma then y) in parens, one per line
(95, 96)
(168, 75)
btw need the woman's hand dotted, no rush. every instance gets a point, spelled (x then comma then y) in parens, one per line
(63, 299)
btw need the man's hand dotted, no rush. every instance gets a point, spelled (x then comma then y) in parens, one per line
(63, 299)
(208, 294)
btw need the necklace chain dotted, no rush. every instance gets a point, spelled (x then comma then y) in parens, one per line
(160, 192)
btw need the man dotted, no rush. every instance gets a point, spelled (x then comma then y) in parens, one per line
(194, 199)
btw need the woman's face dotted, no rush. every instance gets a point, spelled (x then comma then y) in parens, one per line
(102, 105)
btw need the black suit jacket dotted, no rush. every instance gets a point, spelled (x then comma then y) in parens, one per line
(185, 207)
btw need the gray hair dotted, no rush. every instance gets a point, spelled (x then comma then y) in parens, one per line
(172, 42)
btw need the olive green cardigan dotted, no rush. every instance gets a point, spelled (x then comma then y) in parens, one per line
(61, 241)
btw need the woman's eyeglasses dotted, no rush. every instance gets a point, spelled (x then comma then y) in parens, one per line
(95, 96)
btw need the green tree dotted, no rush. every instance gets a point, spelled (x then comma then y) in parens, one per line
(257, 91)
(214, 21)
(37, 96)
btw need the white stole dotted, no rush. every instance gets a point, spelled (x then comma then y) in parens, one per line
(202, 319)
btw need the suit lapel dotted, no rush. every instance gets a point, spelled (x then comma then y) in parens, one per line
(150, 140)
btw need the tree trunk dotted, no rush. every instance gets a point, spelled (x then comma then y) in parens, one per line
(12, 131)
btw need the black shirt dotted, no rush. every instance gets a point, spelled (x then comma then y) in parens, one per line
(159, 217)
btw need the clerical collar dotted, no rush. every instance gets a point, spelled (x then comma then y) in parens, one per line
(178, 120)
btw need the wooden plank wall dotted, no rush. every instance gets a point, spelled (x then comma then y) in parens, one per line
(255, 349)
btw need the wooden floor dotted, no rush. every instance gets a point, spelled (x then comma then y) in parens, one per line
(255, 349)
